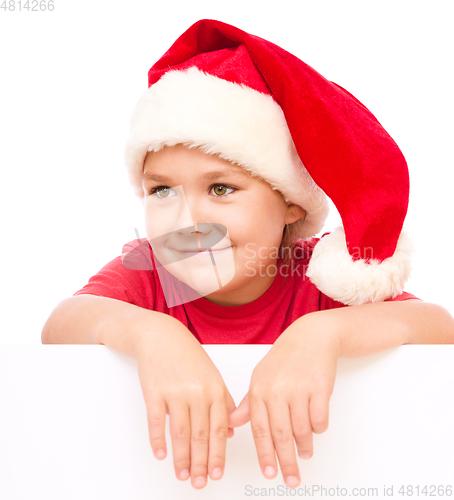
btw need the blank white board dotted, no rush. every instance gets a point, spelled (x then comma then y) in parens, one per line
(73, 426)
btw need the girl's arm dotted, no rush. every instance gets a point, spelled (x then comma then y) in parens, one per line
(176, 375)
(90, 319)
(288, 398)
(370, 328)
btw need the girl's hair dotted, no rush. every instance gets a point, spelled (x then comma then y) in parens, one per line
(290, 236)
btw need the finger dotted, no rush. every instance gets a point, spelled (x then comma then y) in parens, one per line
(261, 433)
(180, 433)
(282, 433)
(302, 429)
(218, 439)
(200, 437)
(230, 408)
(156, 416)
(240, 415)
(319, 411)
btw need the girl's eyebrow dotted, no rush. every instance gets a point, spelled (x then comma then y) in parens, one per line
(147, 176)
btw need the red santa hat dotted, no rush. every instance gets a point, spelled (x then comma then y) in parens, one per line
(251, 102)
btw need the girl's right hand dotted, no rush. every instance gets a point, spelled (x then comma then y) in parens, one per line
(178, 378)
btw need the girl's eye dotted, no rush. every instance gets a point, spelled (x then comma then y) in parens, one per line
(220, 193)
(162, 189)
(223, 187)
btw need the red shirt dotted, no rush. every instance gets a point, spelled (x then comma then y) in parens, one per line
(132, 278)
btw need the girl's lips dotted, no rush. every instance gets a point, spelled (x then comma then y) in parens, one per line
(192, 253)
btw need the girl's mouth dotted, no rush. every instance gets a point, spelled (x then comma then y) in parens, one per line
(203, 252)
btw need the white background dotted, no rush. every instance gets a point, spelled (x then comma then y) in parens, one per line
(70, 79)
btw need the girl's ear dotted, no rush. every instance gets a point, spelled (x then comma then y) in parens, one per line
(294, 213)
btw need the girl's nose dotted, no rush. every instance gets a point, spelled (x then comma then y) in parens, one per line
(188, 215)
(192, 212)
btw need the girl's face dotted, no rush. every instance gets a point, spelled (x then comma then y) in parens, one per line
(195, 201)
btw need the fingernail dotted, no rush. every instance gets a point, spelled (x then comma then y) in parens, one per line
(160, 454)
(268, 471)
(305, 456)
(292, 481)
(199, 482)
(217, 473)
(184, 474)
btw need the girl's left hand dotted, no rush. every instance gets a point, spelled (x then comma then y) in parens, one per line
(289, 394)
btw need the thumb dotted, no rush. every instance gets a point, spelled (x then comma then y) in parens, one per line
(231, 406)
(240, 415)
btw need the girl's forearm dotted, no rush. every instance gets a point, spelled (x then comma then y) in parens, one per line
(90, 319)
(370, 328)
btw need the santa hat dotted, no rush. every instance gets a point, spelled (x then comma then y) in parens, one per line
(251, 102)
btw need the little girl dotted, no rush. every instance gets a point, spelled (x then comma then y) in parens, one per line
(233, 150)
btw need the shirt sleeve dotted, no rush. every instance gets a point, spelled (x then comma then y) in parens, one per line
(129, 277)
(328, 303)
(403, 296)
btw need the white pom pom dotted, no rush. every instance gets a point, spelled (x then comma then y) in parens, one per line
(337, 275)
